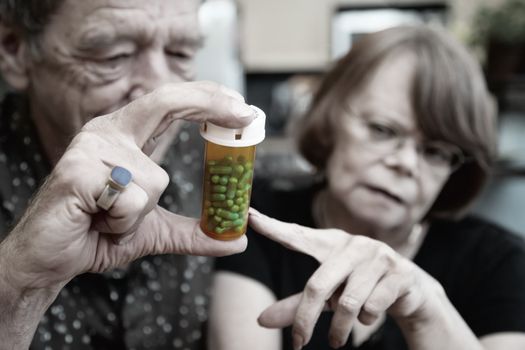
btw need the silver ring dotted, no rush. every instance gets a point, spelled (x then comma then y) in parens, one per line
(119, 179)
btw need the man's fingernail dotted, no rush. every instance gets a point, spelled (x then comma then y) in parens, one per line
(243, 111)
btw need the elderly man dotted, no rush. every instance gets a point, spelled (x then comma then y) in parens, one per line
(127, 63)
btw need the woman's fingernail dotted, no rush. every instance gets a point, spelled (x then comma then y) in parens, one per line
(254, 212)
(334, 343)
(297, 342)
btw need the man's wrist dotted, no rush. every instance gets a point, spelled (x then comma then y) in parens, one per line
(21, 306)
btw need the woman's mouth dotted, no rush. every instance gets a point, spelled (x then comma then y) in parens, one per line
(385, 193)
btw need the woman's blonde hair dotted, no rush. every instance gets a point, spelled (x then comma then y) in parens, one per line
(449, 97)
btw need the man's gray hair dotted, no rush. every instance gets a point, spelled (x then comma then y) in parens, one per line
(29, 16)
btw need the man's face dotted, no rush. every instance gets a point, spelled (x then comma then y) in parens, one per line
(99, 55)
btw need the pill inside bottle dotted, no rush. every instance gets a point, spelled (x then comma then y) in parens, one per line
(228, 176)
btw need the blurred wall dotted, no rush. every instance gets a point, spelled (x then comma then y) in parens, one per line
(294, 35)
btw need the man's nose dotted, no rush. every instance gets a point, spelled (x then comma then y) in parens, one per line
(152, 71)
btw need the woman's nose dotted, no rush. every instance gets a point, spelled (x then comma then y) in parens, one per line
(405, 158)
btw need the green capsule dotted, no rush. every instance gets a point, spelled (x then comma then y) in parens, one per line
(239, 201)
(224, 180)
(215, 179)
(245, 178)
(221, 169)
(212, 163)
(239, 193)
(219, 189)
(228, 160)
(238, 222)
(241, 159)
(248, 166)
(238, 170)
(226, 224)
(243, 207)
(218, 197)
(211, 211)
(235, 208)
(217, 219)
(239, 229)
(219, 204)
(232, 187)
(229, 203)
(219, 230)
(232, 180)
(225, 214)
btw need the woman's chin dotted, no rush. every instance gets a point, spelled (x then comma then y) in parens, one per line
(378, 219)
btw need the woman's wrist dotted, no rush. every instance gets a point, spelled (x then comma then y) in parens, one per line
(436, 324)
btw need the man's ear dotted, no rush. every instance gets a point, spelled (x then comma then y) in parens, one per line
(13, 58)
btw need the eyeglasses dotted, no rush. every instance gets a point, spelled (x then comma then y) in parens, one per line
(386, 138)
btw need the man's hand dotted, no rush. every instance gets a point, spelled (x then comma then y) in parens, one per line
(63, 233)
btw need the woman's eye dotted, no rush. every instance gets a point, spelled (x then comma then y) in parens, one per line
(437, 154)
(381, 131)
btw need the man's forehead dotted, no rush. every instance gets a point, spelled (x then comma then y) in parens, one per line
(97, 20)
(70, 8)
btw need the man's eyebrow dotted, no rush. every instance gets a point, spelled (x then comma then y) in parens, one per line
(97, 39)
(194, 42)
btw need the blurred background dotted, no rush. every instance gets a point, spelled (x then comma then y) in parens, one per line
(274, 51)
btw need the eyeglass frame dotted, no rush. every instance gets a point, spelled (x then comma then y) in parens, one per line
(402, 136)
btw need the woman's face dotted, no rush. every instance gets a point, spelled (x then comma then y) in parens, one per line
(385, 186)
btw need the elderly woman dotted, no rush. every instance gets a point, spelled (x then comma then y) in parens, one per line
(403, 132)
(69, 62)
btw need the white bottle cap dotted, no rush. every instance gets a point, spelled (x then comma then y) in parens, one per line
(250, 135)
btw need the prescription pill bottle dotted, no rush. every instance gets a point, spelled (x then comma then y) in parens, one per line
(228, 176)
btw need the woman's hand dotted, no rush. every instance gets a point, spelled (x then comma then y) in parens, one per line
(63, 233)
(359, 278)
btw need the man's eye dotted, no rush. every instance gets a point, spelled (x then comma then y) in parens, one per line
(180, 55)
(112, 63)
(381, 131)
(116, 58)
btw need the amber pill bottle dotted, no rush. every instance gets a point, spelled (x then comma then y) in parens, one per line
(228, 176)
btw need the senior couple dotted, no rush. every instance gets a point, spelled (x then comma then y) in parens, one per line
(401, 130)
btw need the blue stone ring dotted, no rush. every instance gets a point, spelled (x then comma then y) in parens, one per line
(119, 179)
